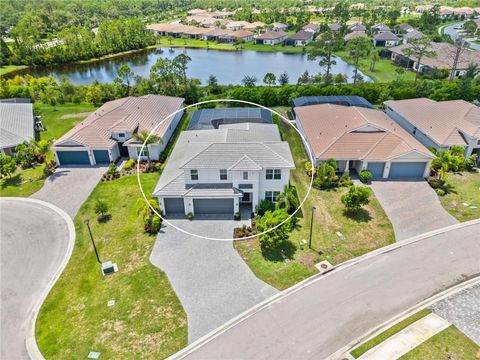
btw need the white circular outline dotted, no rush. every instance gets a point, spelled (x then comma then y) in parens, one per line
(305, 143)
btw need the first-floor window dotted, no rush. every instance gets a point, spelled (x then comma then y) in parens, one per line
(272, 196)
(142, 153)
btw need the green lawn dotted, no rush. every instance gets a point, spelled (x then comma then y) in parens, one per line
(52, 119)
(11, 68)
(357, 352)
(466, 189)
(384, 68)
(369, 230)
(449, 344)
(26, 182)
(147, 320)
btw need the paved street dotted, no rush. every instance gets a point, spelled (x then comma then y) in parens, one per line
(413, 207)
(69, 187)
(462, 310)
(211, 280)
(331, 311)
(34, 241)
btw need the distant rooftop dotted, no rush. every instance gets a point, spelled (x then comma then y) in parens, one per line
(337, 100)
(213, 118)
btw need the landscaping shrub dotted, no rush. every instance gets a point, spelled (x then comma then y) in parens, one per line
(355, 198)
(288, 199)
(8, 165)
(273, 238)
(435, 183)
(50, 167)
(101, 209)
(326, 177)
(112, 171)
(365, 176)
(190, 216)
(129, 165)
(471, 162)
(236, 216)
(440, 192)
(244, 231)
(345, 180)
(264, 206)
(309, 168)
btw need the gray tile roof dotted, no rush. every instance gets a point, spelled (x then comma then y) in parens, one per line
(16, 123)
(386, 36)
(264, 137)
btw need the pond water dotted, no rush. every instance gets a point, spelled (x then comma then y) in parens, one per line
(228, 66)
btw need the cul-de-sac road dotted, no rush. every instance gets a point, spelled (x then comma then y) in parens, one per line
(328, 312)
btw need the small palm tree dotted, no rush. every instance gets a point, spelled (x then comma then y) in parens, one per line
(144, 138)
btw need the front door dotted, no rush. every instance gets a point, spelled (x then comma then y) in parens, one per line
(247, 197)
(123, 150)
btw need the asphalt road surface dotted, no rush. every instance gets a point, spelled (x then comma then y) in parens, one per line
(34, 241)
(332, 311)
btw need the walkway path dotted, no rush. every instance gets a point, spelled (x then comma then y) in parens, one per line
(211, 280)
(69, 187)
(36, 242)
(315, 319)
(407, 339)
(413, 207)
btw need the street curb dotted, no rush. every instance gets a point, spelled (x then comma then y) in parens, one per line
(345, 351)
(309, 281)
(30, 341)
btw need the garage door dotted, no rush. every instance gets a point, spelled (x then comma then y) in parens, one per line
(101, 156)
(174, 206)
(213, 206)
(408, 170)
(73, 157)
(376, 168)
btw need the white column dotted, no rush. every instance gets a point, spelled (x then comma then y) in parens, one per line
(92, 157)
(386, 170)
(236, 205)
(426, 172)
(347, 166)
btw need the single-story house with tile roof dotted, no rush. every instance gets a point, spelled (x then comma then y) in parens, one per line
(335, 27)
(405, 27)
(107, 133)
(196, 11)
(246, 35)
(360, 138)
(236, 25)
(301, 38)
(439, 124)
(17, 124)
(443, 60)
(385, 38)
(276, 26)
(414, 34)
(255, 26)
(212, 118)
(271, 37)
(311, 27)
(355, 34)
(357, 27)
(173, 30)
(379, 28)
(225, 170)
(194, 32)
(218, 35)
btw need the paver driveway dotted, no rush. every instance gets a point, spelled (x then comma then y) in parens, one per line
(35, 242)
(211, 280)
(70, 186)
(413, 207)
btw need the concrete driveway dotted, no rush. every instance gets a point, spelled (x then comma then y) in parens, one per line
(322, 315)
(413, 207)
(70, 186)
(211, 280)
(36, 242)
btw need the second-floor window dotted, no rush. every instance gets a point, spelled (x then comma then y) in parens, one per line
(223, 174)
(245, 175)
(194, 174)
(273, 174)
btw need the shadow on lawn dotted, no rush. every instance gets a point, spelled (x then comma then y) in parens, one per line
(13, 181)
(360, 216)
(285, 250)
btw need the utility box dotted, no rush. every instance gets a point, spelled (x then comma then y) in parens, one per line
(108, 268)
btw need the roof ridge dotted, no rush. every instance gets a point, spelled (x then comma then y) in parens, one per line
(245, 156)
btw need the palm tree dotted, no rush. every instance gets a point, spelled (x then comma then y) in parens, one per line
(144, 137)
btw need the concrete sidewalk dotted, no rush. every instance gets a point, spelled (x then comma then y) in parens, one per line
(407, 339)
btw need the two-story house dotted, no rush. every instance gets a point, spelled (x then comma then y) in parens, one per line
(108, 133)
(224, 170)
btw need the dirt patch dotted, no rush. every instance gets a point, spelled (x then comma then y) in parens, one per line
(77, 115)
(134, 262)
(308, 258)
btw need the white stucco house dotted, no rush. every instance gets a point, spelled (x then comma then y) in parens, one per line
(107, 133)
(271, 37)
(224, 170)
(439, 124)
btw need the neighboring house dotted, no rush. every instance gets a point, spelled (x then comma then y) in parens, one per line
(379, 28)
(218, 35)
(236, 25)
(345, 100)
(194, 32)
(245, 35)
(255, 26)
(206, 119)
(276, 26)
(336, 28)
(225, 170)
(107, 134)
(17, 124)
(444, 58)
(439, 124)
(414, 34)
(357, 27)
(355, 34)
(196, 11)
(360, 138)
(313, 28)
(385, 38)
(404, 28)
(301, 38)
(271, 37)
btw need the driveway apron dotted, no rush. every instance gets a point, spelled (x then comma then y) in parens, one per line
(413, 207)
(211, 280)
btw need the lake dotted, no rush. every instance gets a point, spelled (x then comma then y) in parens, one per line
(228, 66)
